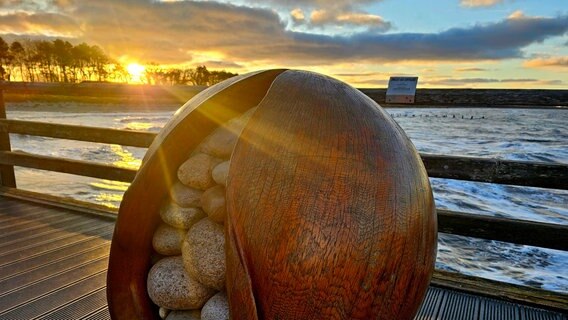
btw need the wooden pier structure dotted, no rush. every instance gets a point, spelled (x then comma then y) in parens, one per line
(54, 251)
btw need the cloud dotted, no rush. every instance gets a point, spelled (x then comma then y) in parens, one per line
(554, 62)
(216, 64)
(298, 16)
(176, 32)
(49, 24)
(471, 69)
(480, 3)
(493, 41)
(312, 3)
(323, 17)
(476, 81)
(360, 74)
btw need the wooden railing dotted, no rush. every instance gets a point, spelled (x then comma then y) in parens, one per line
(534, 174)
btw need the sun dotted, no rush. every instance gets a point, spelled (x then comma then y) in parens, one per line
(136, 71)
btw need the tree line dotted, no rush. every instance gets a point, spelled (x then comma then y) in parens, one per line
(60, 61)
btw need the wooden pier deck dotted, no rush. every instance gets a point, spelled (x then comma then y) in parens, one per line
(53, 266)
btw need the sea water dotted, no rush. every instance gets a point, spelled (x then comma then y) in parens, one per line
(516, 134)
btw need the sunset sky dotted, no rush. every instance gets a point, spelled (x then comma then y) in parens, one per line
(447, 43)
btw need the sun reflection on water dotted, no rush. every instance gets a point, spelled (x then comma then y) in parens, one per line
(126, 158)
(142, 126)
(111, 200)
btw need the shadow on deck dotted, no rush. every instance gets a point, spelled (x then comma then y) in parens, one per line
(53, 266)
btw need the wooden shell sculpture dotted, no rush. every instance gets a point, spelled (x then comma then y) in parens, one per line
(329, 211)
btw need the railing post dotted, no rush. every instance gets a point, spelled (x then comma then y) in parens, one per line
(7, 177)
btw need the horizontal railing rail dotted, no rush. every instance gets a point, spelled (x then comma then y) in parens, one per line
(76, 167)
(78, 133)
(440, 166)
(531, 233)
(519, 173)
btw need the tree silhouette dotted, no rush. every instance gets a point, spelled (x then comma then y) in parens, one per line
(61, 61)
(4, 58)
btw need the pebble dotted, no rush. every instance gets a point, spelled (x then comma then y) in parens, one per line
(203, 253)
(180, 217)
(163, 312)
(220, 143)
(223, 140)
(167, 240)
(196, 171)
(221, 172)
(217, 308)
(184, 315)
(185, 196)
(213, 203)
(170, 287)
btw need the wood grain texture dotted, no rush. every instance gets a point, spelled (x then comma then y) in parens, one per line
(138, 216)
(7, 176)
(330, 211)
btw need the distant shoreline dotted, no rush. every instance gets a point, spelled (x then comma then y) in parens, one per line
(31, 96)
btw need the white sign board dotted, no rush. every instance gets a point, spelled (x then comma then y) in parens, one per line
(401, 89)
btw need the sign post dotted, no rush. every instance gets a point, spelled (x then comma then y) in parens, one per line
(401, 89)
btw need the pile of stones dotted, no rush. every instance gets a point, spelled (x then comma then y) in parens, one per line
(188, 279)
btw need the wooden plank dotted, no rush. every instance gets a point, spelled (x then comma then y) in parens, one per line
(51, 268)
(459, 306)
(102, 314)
(501, 290)
(538, 234)
(50, 284)
(89, 281)
(53, 241)
(78, 167)
(59, 202)
(431, 304)
(7, 176)
(80, 133)
(25, 264)
(66, 203)
(7, 238)
(79, 308)
(521, 173)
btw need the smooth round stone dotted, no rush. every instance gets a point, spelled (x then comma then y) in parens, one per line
(220, 143)
(203, 253)
(221, 172)
(213, 203)
(169, 286)
(180, 217)
(185, 196)
(167, 240)
(163, 312)
(217, 308)
(196, 171)
(184, 315)
(223, 140)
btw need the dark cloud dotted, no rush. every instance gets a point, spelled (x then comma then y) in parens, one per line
(39, 24)
(174, 32)
(221, 64)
